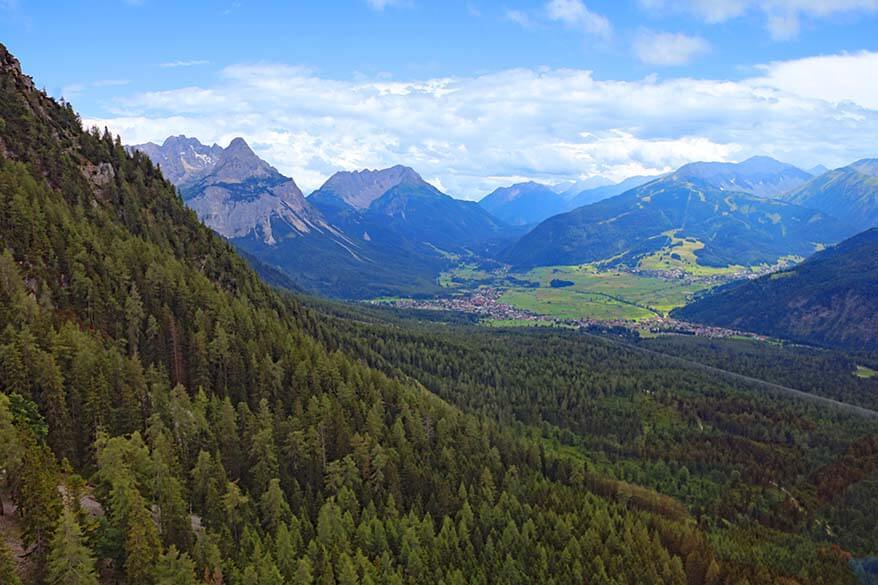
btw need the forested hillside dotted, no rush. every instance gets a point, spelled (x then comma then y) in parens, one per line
(167, 418)
(145, 365)
(829, 299)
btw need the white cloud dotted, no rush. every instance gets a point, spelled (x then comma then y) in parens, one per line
(832, 78)
(474, 133)
(782, 17)
(520, 18)
(183, 63)
(667, 49)
(575, 14)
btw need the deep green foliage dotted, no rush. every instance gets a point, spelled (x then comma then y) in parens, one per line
(175, 380)
(830, 299)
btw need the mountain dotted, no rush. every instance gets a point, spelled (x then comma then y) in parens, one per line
(167, 417)
(589, 196)
(358, 189)
(524, 203)
(211, 413)
(234, 192)
(383, 232)
(720, 227)
(241, 195)
(817, 170)
(396, 208)
(180, 157)
(759, 175)
(829, 299)
(849, 193)
(570, 189)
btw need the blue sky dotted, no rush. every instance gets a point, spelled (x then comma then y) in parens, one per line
(473, 94)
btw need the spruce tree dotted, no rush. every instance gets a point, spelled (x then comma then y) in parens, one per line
(70, 561)
(175, 568)
(142, 544)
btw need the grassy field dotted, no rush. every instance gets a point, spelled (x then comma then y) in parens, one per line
(680, 255)
(463, 273)
(598, 294)
(568, 303)
(864, 372)
(591, 292)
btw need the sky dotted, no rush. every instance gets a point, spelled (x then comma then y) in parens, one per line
(473, 94)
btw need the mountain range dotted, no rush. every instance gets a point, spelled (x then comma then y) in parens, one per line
(829, 299)
(362, 234)
(527, 204)
(723, 227)
(168, 418)
(388, 232)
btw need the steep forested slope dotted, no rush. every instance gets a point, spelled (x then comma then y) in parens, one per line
(830, 299)
(203, 427)
(220, 438)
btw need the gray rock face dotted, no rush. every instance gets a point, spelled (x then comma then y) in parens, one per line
(181, 158)
(236, 193)
(360, 188)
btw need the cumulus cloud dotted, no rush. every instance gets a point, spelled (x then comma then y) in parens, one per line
(668, 49)
(832, 78)
(476, 133)
(782, 17)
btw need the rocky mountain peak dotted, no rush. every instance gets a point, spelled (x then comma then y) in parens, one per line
(360, 188)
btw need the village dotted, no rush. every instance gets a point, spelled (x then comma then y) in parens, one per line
(486, 304)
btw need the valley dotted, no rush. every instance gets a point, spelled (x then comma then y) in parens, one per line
(622, 365)
(590, 295)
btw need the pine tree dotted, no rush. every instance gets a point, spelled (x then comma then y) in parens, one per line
(36, 492)
(175, 568)
(70, 561)
(10, 446)
(304, 573)
(268, 572)
(274, 506)
(142, 544)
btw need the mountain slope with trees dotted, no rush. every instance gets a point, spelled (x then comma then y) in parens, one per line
(830, 299)
(849, 193)
(732, 227)
(227, 443)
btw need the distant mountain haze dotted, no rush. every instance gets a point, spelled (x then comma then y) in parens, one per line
(849, 193)
(570, 189)
(524, 203)
(387, 231)
(729, 227)
(759, 175)
(595, 194)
